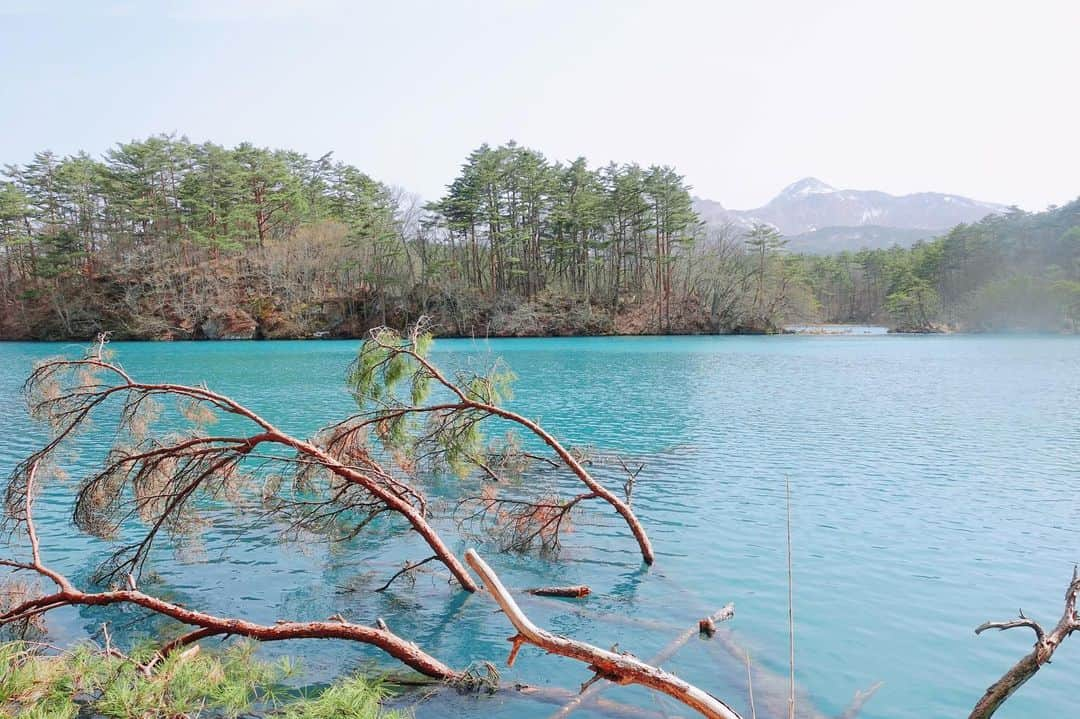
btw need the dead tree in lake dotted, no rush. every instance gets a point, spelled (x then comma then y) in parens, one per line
(621, 668)
(165, 469)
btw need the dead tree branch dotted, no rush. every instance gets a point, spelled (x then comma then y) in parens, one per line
(576, 591)
(591, 690)
(618, 668)
(409, 566)
(521, 524)
(1046, 643)
(859, 701)
(207, 625)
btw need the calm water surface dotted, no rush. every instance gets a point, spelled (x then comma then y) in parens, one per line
(933, 488)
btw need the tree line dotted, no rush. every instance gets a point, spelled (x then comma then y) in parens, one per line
(1018, 270)
(167, 238)
(78, 230)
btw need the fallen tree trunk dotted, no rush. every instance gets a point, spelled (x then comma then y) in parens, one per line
(618, 668)
(573, 592)
(590, 693)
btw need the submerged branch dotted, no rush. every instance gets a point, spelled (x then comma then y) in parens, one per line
(618, 668)
(590, 690)
(575, 591)
(207, 625)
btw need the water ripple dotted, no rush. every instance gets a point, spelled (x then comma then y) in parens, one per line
(932, 480)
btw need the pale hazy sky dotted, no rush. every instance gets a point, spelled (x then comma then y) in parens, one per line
(973, 98)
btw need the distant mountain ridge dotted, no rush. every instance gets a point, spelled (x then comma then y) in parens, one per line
(817, 217)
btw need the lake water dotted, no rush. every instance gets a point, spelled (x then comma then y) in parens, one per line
(933, 487)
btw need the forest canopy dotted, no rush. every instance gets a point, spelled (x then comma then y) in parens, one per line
(165, 238)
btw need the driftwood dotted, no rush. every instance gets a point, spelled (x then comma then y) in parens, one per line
(721, 615)
(615, 667)
(1045, 645)
(572, 592)
(590, 690)
(206, 625)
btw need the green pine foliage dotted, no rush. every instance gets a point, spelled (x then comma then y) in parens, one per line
(229, 684)
(157, 235)
(1014, 271)
(393, 372)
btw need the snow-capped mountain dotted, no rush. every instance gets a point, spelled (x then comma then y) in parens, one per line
(813, 213)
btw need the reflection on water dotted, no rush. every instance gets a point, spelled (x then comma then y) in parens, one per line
(933, 482)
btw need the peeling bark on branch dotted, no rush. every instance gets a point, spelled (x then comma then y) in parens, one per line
(618, 668)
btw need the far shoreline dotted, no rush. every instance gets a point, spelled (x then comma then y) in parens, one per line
(878, 331)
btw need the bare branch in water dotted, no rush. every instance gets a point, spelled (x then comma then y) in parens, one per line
(1046, 643)
(519, 525)
(405, 570)
(859, 701)
(618, 668)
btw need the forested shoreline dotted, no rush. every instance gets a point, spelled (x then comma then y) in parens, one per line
(169, 239)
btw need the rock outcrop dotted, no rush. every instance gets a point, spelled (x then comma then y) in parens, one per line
(230, 323)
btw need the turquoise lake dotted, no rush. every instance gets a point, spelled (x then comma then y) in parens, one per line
(933, 488)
